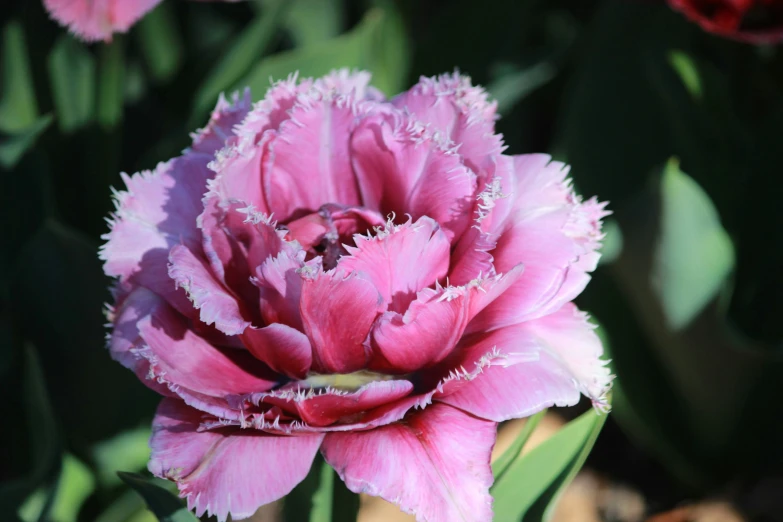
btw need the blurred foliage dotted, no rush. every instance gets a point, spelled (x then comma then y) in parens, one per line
(678, 129)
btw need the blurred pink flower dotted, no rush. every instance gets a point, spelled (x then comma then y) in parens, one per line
(99, 19)
(330, 270)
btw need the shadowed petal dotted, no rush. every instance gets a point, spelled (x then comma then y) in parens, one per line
(226, 471)
(435, 464)
(283, 348)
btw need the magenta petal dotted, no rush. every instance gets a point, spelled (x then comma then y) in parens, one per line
(459, 110)
(309, 163)
(98, 19)
(425, 335)
(403, 168)
(401, 260)
(281, 347)
(226, 471)
(435, 464)
(280, 288)
(327, 408)
(337, 312)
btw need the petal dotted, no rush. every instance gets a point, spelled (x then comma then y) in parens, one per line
(542, 363)
(337, 312)
(280, 288)
(435, 464)
(401, 260)
(98, 19)
(281, 347)
(309, 163)
(194, 369)
(221, 124)
(226, 471)
(158, 210)
(327, 408)
(459, 110)
(426, 334)
(553, 234)
(216, 304)
(402, 168)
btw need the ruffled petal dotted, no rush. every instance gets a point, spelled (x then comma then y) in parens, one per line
(401, 260)
(435, 464)
(528, 367)
(402, 168)
(226, 471)
(98, 19)
(221, 124)
(460, 111)
(337, 312)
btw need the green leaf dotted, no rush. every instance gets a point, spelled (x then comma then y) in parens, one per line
(322, 499)
(127, 450)
(14, 147)
(311, 22)
(362, 48)
(501, 465)
(532, 484)
(513, 87)
(694, 255)
(166, 506)
(161, 42)
(18, 108)
(111, 82)
(245, 51)
(72, 77)
(66, 498)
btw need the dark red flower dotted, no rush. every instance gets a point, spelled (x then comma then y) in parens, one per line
(751, 21)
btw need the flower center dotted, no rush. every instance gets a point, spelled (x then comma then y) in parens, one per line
(346, 381)
(324, 232)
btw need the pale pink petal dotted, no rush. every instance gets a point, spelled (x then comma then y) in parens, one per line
(538, 364)
(401, 260)
(221, 124)
(424, 335)
(337, 311)
(98, 19)
(281, 347)
(435, 464)
(215, 303)
(402, 168)
(226, 471)
(309, 161)
(460, 111)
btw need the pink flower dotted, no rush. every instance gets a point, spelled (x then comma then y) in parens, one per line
(375, 279)
(99, 19)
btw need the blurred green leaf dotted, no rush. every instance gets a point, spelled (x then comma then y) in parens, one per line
(128, 450)
(314, 21)
(688, 73)
(72, 77)
(612, 243)
(111, 82)
(14, 147)
(512, 87)
(389, 57)
(534, 481)
(245, 51)
(74, 486)
(363, 47)
(694, 255)
(18, 108)
(166, 506)
(161, 42)
(322, 499)
(502, 463)
(129, 506)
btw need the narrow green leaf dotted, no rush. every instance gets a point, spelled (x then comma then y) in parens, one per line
(311, 22)
(694, 255)
(389, 51)
(513, 87)
(322, 499)
(161, 42)
(166, 506)
(540, 475)
(18, 108)
(686, 69)
(63, 501)
(127, 450)
(501, 465)
(72, 77)
(14, 147)
(111, 86)
(245, 51)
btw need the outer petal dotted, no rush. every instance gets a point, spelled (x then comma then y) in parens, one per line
(226, 471)
(459, 110)
(98, 19)
(337, 312)
(435, 464)
(401, 167)
(553, 234)
(221, 124)
(543, 363)
(401, 260)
